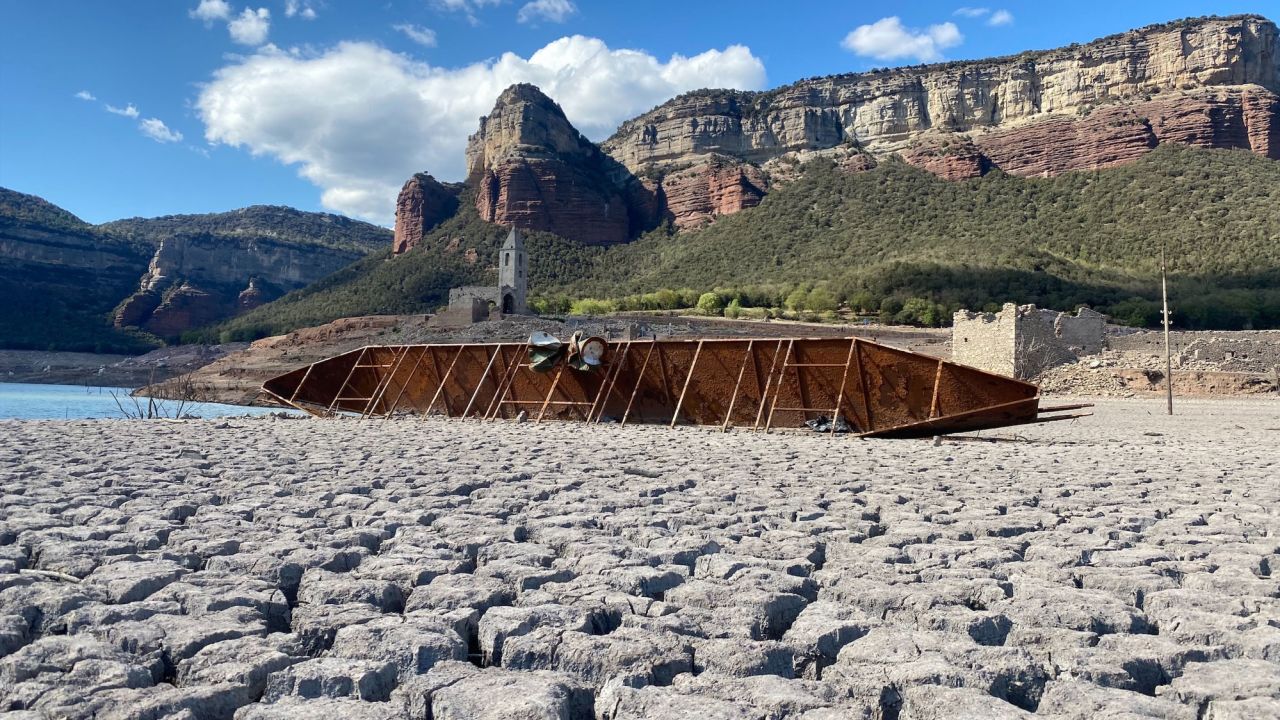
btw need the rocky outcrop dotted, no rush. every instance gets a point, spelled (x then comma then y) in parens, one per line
(950, 158)
(1108, 136)
(531, 169)
(185, 307)
(1210, 82)
(423, 203)
(720, 186)
(194, 280)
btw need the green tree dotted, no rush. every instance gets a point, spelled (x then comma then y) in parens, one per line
(733, 310)
(821, 300)
(797, 300)
(709, 304)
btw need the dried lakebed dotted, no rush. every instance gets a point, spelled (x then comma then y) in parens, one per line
(1119, 566)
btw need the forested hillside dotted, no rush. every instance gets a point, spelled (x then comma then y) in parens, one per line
(892, 238)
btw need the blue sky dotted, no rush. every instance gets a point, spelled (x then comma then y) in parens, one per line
(153, 107)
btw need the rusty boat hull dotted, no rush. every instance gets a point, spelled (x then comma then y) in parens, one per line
(867, 388)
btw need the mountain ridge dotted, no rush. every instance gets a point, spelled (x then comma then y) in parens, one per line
(126, 285)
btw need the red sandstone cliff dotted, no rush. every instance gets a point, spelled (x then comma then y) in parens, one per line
(1211, 82)
(531, 169)
(423, 204)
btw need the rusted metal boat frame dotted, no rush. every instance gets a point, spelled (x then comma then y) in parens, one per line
(874, 389)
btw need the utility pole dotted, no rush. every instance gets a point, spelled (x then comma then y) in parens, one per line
(1168, 358)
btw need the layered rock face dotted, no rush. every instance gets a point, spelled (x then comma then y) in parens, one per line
(194, 280)
(720, 186)
(423, 203)
(1210, 83)
(531, 169)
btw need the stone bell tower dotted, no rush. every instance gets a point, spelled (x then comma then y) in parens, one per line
(513, 275)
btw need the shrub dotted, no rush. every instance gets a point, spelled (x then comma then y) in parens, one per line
(592, 306)
(709, 304)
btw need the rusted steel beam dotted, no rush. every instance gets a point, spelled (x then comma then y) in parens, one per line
(844, 378)
(777, 389)
(764, 392)
(338, 395)
(639, 378)
(554, 383)
(484, 376)
(684, 390)
(748, 355)
(412, 371)
(443, 381)
(898, 392)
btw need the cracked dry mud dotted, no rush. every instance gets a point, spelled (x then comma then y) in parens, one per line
(263, 568)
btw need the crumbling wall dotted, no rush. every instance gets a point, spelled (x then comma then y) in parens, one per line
(985, 340)
(1024, 341)
(464, 297)
(463, 311)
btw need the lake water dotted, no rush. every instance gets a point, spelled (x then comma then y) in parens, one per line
(26, 401)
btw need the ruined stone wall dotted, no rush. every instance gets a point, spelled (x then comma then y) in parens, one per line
(462, 297)
(1023, 341)
(1084, 332)
(985, 340)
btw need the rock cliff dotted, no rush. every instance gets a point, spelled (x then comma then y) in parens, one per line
(423, 203)
(195, 279)
(531, 169)
(1210, 82)
(73, 285)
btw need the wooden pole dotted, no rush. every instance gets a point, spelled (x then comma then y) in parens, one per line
(1168, 356)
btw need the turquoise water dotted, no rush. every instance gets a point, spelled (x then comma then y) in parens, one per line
(26, 401)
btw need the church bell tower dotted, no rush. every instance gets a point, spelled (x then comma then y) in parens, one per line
(513, 275)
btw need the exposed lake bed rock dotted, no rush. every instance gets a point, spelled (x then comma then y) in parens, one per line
(1120, 565)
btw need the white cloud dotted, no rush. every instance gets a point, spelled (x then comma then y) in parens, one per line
(888, 39)
(300, 8)
(155, 129)
(85, 95)
(553, 10)
(359, 119)
(128, 111)
(421, 35)
(252, 27)
(210, 10)
(467, 7)
(1000, 18)
(971, 12)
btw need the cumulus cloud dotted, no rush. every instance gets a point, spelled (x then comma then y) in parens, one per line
(552, 10)
(1000, 18)
(425, 37)
(210, 10)
(359, 119)
(299, 8)
(972, 12)
(889, 39)
(86, 95)
(252, 27)
(155, 129)
(128, 110)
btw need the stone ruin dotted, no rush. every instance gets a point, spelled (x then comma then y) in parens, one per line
(1023, 341)
(473, 303)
